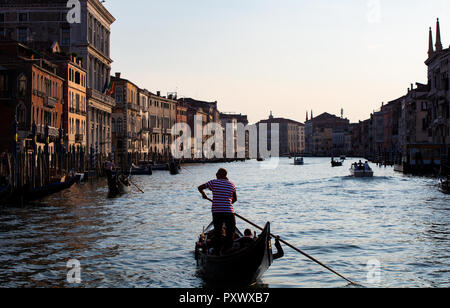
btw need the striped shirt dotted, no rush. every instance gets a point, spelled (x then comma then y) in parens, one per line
(222, 195)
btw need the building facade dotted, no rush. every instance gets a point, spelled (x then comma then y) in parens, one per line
(325, 135)
(32, 95)
(45, 21)
(291, 135)
(163, 116)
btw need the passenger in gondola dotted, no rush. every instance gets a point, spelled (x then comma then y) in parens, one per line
(224, 196)
(247, 240)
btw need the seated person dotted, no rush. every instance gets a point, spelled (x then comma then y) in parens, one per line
(247, 240)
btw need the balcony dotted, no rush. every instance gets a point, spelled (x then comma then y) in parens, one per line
(52, 131)
(97, 95)
(133, 107)
(50, 102)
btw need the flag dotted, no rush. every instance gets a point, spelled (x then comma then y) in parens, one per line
(110, 89)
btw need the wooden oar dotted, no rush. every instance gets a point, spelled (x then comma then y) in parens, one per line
(137, 186)
(296, 249)
(129, 179)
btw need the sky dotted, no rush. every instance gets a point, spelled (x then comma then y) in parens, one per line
(284, 56)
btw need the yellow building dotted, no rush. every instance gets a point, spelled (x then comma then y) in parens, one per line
(163, 116)
(75, 108)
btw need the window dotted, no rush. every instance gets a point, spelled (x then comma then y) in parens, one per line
(65, 37)
(77, 78)
(119, 125)
(2, 17)
(2, 32)
(119, 94)
(22, 35)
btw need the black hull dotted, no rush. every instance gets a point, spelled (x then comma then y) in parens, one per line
(244, 267)
(117, 187)
(445, 187)
(28, 195)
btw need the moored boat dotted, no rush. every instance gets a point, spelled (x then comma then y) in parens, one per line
(44, 191)
(5, 192)
(244, 266)
(141, 170)
(174, 167)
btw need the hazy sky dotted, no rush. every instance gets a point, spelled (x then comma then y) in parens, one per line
(288, 56)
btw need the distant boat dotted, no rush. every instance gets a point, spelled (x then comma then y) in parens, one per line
(343, 157)
(174, 167)
(260, 159)
(360, 171)
(335, 163)
(444, 186)
(142, 169)
(299, 161)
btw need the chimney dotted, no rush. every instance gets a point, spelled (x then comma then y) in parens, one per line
(158, 93)
(118, 75)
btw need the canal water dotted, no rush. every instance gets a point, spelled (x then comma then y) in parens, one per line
(388, 231)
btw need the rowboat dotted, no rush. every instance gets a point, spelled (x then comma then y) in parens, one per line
(245, 266)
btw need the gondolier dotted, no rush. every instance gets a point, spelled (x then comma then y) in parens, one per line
(224, 196)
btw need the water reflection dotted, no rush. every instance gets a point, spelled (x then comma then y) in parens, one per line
(147, 240)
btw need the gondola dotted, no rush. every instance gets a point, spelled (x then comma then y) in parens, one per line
(444, 186)
(44, 191)
(141, 170)
(28, 194)
(118, 184)
(244, 266)
(160, 167)
(174, 168)
(5, 192)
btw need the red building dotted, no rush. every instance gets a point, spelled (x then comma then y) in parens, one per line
(31, 94)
